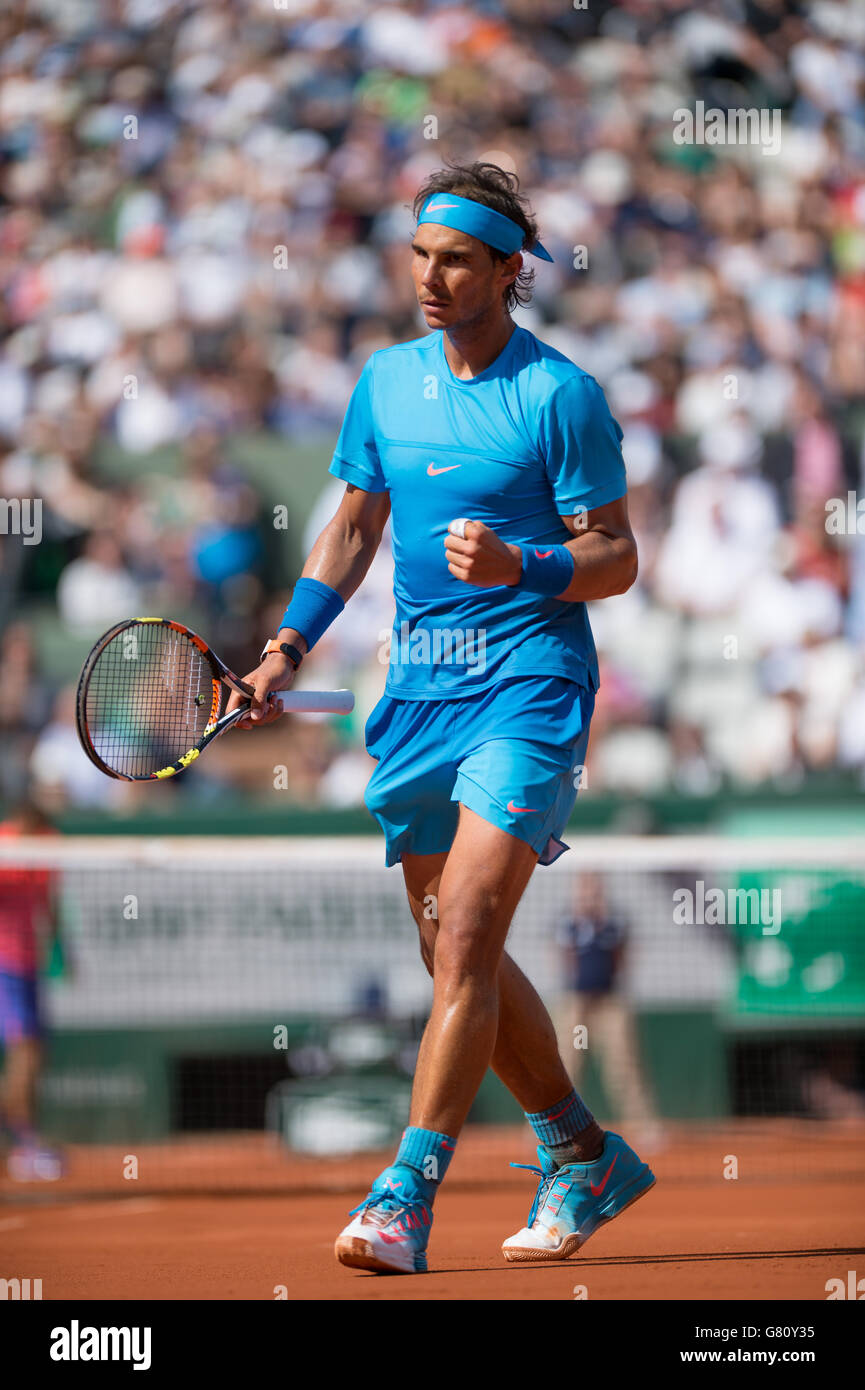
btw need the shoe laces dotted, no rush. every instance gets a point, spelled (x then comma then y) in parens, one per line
(382, 1207)
(547, 1180)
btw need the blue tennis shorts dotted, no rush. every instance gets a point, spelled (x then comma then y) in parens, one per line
(513, 754)
(19, 1007)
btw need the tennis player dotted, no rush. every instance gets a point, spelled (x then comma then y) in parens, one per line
(500, 465)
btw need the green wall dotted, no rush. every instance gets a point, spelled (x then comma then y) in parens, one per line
(105, 1086)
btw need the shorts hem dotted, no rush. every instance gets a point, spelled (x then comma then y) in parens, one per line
(555, 848)
(491, 812)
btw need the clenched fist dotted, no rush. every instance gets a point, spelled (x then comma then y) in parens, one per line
(477, 556)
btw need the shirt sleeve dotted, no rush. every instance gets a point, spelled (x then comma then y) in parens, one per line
(582, 447)
(356, 459)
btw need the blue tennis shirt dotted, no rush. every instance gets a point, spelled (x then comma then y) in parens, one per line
(518, 446)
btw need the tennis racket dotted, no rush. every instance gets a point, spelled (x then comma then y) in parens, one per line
(152, 696)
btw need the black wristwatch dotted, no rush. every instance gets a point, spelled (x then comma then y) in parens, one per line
(294, 656)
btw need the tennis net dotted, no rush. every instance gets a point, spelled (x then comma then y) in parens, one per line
(245, 1014)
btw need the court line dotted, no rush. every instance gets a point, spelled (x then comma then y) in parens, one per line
(588, 1263)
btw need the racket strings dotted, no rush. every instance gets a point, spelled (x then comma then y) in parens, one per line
(149, 699)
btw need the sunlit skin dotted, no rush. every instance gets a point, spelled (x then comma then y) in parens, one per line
(485, 1012)
(459, 288)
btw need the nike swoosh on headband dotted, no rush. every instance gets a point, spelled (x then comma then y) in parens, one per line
(477, 220)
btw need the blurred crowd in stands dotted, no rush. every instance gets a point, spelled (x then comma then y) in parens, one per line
(204, 232)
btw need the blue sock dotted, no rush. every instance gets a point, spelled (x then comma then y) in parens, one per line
(560, 1129)
(428, 1153)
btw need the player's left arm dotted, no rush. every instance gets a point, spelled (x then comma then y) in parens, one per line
(602, 547)
(604, 553)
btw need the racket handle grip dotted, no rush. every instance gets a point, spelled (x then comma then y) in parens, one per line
(316, 701)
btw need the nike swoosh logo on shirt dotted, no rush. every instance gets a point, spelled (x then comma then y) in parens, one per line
(597, 1188)
(512, 807)
(542, 554)
(433, 471)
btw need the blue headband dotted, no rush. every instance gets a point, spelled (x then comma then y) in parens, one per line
(493, 228)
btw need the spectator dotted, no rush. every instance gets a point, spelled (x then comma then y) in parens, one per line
(204, 234)
(61, 773)
(97, 590)
(595, 1014)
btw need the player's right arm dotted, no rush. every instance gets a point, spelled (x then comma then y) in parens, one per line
(340, 558)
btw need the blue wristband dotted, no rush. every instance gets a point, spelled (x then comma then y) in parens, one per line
(547, 569)
(312, 609)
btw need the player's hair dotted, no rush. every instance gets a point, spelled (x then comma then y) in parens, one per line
(496, 189)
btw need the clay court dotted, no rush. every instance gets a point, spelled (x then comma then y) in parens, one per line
(237, 1220)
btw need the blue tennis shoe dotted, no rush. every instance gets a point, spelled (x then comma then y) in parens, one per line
(391, 1227)
(573, 1201)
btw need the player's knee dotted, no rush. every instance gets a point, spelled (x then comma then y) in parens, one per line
(464, 949)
